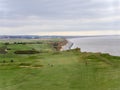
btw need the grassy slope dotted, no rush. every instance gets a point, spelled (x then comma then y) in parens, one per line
(70, 70)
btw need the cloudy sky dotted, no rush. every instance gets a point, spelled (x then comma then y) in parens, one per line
(60, 17)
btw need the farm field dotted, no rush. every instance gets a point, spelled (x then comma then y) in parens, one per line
(51, 69)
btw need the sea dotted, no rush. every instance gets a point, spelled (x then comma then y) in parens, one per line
(103, 44)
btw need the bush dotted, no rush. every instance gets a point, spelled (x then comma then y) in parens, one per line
(37, 65)
(25, 64)
(27, 52)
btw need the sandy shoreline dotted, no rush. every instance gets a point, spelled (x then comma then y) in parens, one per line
(68, 46)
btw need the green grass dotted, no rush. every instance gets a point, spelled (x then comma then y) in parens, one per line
(67, 70)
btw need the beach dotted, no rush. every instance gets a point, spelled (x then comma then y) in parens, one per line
(68, 46)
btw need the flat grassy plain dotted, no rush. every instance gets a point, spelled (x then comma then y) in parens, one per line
(54, 70)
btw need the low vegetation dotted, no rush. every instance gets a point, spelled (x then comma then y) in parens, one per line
(52, 69)
(26, 52)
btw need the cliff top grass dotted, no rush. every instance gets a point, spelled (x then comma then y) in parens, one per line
(51, 69)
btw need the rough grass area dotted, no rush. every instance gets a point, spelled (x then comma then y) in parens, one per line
(51, 70)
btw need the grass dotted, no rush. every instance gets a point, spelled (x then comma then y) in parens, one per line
(67, 70)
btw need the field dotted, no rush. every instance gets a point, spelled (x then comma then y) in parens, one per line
(55, 70)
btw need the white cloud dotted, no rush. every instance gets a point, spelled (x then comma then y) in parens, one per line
(3, 6)
(27, 17)
(81, 33)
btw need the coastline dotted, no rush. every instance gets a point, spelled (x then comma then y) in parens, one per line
(67, 46)
(95, 45)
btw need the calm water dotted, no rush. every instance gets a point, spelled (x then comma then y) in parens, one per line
(104, 44)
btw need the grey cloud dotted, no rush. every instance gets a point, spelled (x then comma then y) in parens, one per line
(59, 15)
(58, 8)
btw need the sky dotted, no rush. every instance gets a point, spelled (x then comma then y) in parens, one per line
(59, 17)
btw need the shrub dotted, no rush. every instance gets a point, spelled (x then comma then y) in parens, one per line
(37, 65)
(26, 52)
(25, 64)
